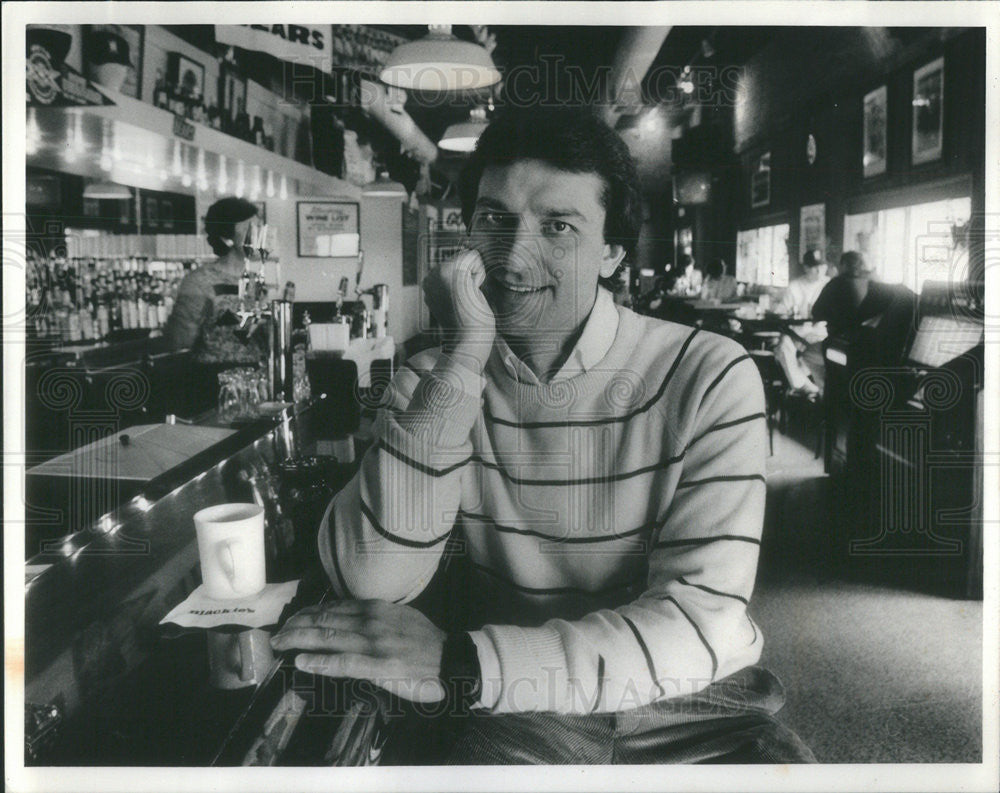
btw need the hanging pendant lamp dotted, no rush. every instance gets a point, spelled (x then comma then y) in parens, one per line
(463, 136)
(384, 187)
(440, 62)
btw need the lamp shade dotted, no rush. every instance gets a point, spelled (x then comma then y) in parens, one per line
(384, 187)
(440, 62)
(108, 191)
(463, 136)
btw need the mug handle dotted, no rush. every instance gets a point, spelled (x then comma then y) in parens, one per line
(224, 553)
(246, 656)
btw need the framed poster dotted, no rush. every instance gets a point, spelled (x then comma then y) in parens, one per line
(760, 182)
(812, 229)
(187, 76)
(874, 158)
(131, 40)
(326, 229)
(928, 120)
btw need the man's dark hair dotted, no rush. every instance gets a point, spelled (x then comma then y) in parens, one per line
(570, 139)
(812, 258)
(221, 220)
(715, 268)
(853, 263)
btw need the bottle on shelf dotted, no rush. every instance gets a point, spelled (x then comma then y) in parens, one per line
(241, 126)
(160, 92)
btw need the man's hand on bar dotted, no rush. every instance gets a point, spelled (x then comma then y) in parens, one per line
(394, 646)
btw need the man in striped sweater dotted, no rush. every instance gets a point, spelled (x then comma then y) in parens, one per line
(603, 472)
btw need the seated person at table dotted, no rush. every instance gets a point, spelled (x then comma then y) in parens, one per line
(602, 471)
(801, 355)
(854, 301)
(718, 284)
(852, 297)
(688, 281)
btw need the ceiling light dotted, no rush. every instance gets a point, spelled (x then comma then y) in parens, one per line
(384, 187)
(283, 190)
(241, 182)
(463, 136)
(108, 191)
(176, 168)
(255, 185)
(440, 62)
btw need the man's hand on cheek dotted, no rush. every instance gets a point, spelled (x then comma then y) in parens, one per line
(454, 296)
(394, 646)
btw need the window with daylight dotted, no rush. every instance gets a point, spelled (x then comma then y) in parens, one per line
(913, 244)
(762, 255)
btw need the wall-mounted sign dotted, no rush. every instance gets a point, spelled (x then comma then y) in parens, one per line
(50, 81)
(812, 229)
(928, 119)
(309, 44)
(760, 181)
(183, 128)
(327, 229)
(874, 157)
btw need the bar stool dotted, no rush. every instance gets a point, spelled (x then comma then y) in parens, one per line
(775, 385)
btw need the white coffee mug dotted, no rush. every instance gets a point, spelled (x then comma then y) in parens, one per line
(237, 660)
(231, 548)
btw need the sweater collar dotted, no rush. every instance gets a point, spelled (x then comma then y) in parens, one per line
(596, 339)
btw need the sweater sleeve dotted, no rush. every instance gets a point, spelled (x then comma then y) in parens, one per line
(690, 625)
(383, 534)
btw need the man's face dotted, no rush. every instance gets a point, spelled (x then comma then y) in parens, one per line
(540, 231)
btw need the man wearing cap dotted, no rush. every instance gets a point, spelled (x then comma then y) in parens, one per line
(204, 315)
(598, 475)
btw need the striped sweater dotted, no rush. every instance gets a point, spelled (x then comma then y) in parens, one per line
(612, 520)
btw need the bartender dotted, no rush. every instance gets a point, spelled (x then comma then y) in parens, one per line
(204, 317)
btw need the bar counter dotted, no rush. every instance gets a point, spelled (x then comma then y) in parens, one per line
(105, 684)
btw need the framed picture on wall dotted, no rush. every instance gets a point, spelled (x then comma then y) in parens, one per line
(326, 229)
(928, 118)
(812, 229)
(116, 44)
(874, 158)
(186, 75)
(760, 181)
